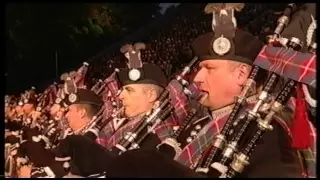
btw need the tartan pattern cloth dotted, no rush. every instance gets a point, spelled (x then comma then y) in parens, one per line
(109, 93)
(204, 140)
(48, 96)
(291, 64)
(63, 124)
(178, 100)
(196, 92)
(80, 77)
(163, 131)
(53, 94)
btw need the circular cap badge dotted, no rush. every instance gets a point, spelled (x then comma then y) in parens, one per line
(20, 103)
(58, 100)
(38, 108)
(221, 46)
(134, 74)
(72, 98)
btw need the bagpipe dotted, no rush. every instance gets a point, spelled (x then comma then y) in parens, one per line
(136, 136)
(39, 126)
(230, 154)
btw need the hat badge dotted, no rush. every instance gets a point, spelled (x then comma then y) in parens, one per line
(20, 103)
(38, 108)
(58, 100)
(221, 46)
(134, 74)
(72, 98)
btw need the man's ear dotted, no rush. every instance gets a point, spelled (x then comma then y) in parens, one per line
(242, 73)
(82, 112)
(151, 94)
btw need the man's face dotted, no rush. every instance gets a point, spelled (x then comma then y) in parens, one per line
(18, 109)
(60, 113)
(54, 109)
(7, 109)
(73, 116)
(218, 81)
(135, 99)
(28, 108)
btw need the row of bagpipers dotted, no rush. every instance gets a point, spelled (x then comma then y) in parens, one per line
(232, 121)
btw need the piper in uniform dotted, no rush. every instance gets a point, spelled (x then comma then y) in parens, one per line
(226, 58)
(225, 68)
(141, 86)
(70, 154)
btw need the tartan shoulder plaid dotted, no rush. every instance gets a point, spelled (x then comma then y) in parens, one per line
(164, 130)
(204, 140)
(178, 100)
(291, 64)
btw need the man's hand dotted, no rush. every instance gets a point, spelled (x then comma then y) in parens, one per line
(25, 171)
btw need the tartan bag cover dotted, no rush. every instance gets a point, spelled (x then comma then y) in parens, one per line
(110, 92)
(80, 77)
(288, 63)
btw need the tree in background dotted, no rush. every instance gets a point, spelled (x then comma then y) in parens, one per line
(35, 32)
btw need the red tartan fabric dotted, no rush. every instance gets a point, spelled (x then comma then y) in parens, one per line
(178, 100)
(204, 140)
(291, 64)
(163, 131)
(109, 94)
(80, 77)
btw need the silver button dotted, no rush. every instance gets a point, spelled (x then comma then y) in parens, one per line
(198, 127)
(189, 139)
(175, 128)
(193, 133)
(231, 132)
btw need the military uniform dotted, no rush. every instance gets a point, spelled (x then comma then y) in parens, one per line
(138, 72)
(72, 153)
(19, 133)
(227, 42)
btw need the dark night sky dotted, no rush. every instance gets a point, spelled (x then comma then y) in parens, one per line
(23, 73)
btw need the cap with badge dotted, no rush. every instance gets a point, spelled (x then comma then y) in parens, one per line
(226, 42)
(138, 72)
(83, 96)
(29, 97)
(65, 89)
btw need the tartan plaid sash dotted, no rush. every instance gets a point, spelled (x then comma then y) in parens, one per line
(288, 63)
(177, 99)
(163, 131)
(205, 137)
(204, 140)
